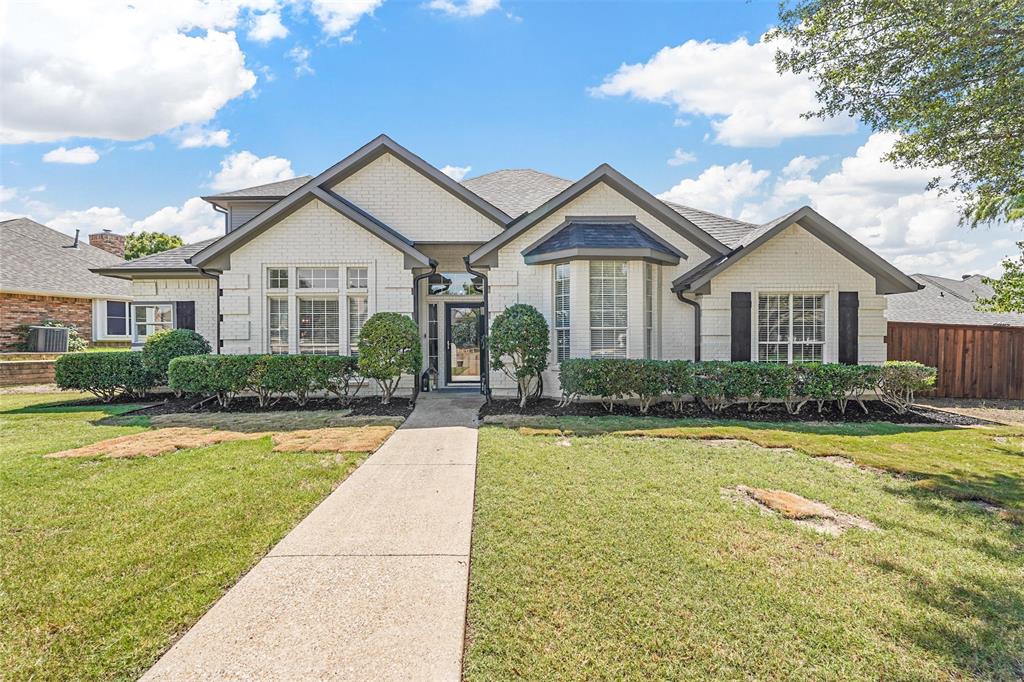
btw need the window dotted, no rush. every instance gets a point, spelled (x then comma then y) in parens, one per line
(317, 278)
(608, 282)
(318, 326)
(561, 312)
(790, 328)
(648, 311)
(278, 278)
(152, 318)
(357, 278)
(117, 318)
(455, 284)
(278, 326)
(358, 311)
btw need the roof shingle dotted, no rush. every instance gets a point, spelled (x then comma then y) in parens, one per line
(947, 301)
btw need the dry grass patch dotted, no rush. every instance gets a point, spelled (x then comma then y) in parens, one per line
(808, 513)
(158, 442)
(344, 439)
(271, 421)
(532, 431)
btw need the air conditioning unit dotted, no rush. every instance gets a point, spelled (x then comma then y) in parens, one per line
(47, 340)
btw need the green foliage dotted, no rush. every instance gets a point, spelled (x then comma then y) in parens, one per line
(948, 77)
(678, 381)
(389, 345)
(105, 375)
(167, 344)
(75, 341)
(519, 345)
(214, 376)
(139, 244)
(716, 385)
(899, 380)
(1009, 289)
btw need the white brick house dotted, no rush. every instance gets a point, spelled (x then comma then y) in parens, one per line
(615, 271)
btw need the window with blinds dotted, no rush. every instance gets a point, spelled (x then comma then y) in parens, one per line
(318, 326)
(278, 311)
(790, 327)
(608, 311)
(561, 312)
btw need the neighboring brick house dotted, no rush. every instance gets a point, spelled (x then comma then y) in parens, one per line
(616, 271)
(46, 275)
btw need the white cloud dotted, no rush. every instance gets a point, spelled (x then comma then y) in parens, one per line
(7, 193)
(456, 173)
(78, 155)
(266, 27)
(127, 72)
(194, 221)
(681, 156)
(718, 188)
(338, 17)
(146, 146)
(37, 188)
(464, 9)
(90, 220)
(245, 169)
(734, 84)
(801, 166)
(300, 55)
(193, 137)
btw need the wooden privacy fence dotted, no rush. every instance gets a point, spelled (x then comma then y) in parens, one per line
(973, 361)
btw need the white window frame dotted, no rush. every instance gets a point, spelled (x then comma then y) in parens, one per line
(319, 275)
(790, 330)
(105, 304)
(649, 297)
(562, 307)
(602, 329)
(271, 278)
(159, 325)
(315, 348)
(362, 283)
(287, 324)
(352, 329)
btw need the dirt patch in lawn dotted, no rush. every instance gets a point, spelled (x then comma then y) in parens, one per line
(1003, 411)
(163, 441)
(808, 513)
(267, 421)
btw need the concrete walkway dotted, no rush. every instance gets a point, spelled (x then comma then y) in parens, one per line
(371, 585)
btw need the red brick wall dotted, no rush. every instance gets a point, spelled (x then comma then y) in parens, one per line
(16, 309)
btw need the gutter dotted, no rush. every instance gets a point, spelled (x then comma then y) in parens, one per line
(485, 372)
(416, 318)
(696, 324)
(215, 278)
(219, 209)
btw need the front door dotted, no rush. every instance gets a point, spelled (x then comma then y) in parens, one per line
(463, 324)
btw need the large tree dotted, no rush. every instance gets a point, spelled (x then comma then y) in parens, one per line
(139, 244)
(947, 75)
(1009, 289)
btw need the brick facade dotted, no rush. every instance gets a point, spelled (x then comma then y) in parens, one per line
(18, 309)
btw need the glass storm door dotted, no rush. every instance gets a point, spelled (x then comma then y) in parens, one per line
(462, 334)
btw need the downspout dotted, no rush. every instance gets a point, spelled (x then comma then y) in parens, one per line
(216, 279)
(696, 324)
(485, 374)
(416, 318)
(227, 217)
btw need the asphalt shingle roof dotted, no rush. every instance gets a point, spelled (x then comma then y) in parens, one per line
(273, 190)
(516, 191)
(34, 257)
(599, 236)
(172, 259)
(947, 301)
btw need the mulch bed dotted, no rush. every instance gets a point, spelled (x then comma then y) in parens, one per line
(877, 412)
(168, 404)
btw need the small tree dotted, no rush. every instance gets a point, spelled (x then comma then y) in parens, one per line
(1008, 290)
(139, 244)
(389, 344)
(520, 345)
(167, 344)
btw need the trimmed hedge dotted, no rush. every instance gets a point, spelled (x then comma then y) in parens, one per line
(719, 384)
(167, 344)
(105, 375)
(270, 377)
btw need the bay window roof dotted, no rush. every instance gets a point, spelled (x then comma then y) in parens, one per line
(621, 238)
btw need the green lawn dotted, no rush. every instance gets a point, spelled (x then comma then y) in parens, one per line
(618, 557)
(104, 562)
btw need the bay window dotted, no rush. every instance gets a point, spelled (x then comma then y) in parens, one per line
(608, 308)
(561, 312)
(790, 327)
(648, 311)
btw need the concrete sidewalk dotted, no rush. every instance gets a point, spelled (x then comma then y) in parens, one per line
(371, 585)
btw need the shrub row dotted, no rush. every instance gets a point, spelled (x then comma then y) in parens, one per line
(270, 377)
(105, 374)
(757, 384)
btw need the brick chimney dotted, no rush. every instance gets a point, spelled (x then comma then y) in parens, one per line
(109, 242)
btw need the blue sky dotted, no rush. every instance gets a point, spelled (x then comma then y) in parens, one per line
(142, 108)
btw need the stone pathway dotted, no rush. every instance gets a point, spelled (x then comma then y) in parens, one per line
(371, 585)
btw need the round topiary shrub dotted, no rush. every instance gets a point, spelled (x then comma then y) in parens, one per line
(167, 344)
(520, 345)
(389, 345)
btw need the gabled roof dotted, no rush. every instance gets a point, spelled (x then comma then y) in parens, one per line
(888, 279)
(172, 261)
(595, 237)
(615, 179)
(324, 181)
(37, 259)
(269, 191)
(516, 190)
(948, 301)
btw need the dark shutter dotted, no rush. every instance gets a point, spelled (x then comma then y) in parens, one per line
(740, 326)
(849, 304)
(185, 315)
